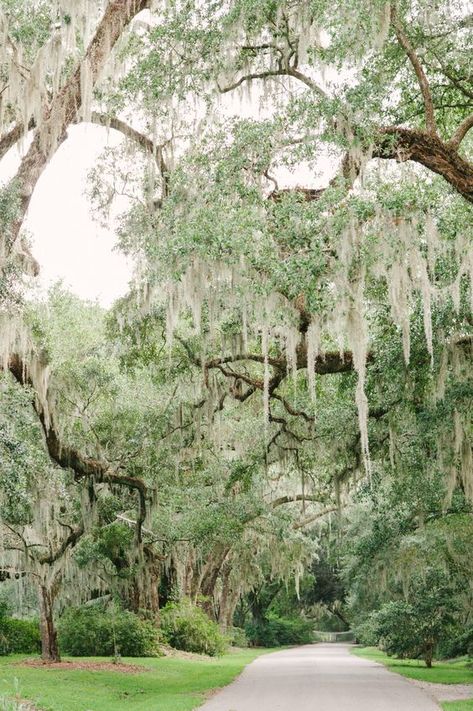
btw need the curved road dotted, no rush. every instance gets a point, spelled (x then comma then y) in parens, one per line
(319, 677)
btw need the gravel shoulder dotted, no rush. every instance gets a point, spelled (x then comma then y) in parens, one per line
(446, 692)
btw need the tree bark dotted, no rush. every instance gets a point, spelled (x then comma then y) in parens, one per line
(228, 599)
(49, 643)
(441, 157)
(429, 655)
(145, 595)
(209, 578)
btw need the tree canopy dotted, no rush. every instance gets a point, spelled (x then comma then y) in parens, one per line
(293, 357)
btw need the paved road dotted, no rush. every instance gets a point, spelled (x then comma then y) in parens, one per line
(319, 677)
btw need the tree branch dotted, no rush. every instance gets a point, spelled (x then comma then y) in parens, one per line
(9, 139)
(250, 77)
(296, 74)
(461, 132)
(419, 71)
(325, 364)
(291, 499)
(403, 144)
(67, 457)
(69, 542)
(279, 72)
(314, 517)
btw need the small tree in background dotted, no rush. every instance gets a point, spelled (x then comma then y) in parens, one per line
(414, 628)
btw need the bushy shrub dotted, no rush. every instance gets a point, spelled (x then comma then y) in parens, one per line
(93, 630)
(366, 633)
(274, 631)
(458, 644)
(186, 626)
(19, 636)
(236, 636)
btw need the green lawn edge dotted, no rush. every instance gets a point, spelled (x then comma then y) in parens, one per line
(166, 684)
(455, 671)
(458, 705)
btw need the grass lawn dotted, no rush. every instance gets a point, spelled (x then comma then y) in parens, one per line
(172, 684)
(458, 705)
(457, 671)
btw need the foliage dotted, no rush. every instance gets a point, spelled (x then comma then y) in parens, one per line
(19, 636)
(186, 626)
(294, 343)
(414, 629)
(457, 644)
(236, 636)
(366, 632)
(95, 631)
(279, 631)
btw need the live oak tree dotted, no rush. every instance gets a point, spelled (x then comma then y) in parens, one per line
(197, 530)
(292, 331)
(39, 526)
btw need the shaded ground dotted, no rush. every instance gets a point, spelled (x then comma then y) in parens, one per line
(83, 665)
(325, 677)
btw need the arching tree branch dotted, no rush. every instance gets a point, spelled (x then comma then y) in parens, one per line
(461, 132)
(291, 499)
(67, 457)
(403, 144)
(314, 517)
(282, 71)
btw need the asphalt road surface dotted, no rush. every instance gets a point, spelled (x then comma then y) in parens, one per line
(319, 677)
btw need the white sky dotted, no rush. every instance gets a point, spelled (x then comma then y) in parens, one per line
(66, 241)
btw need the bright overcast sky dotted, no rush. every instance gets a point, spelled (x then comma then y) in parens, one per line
(67, 242)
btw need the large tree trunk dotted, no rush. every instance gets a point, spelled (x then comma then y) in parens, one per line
(144, 594)
(49, 644)
(429, 655)
(228, 598)
(209, 578)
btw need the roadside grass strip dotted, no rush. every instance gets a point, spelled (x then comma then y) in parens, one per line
(166, 683)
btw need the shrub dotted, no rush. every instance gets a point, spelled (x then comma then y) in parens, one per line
(19, 636)
(236, 636)
(93, 630)
(274, 631)
(366, 632)
(187, 627)
(419, 627)
(458, 644)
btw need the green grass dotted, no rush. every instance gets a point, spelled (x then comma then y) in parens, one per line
(458, 705)
(172, 684)
(457, 671)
